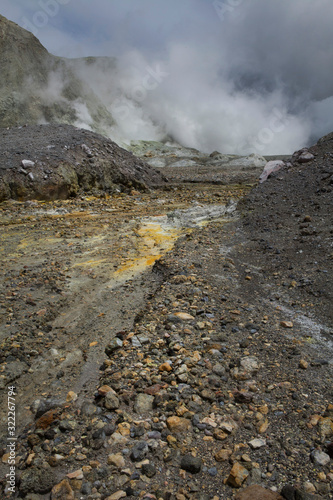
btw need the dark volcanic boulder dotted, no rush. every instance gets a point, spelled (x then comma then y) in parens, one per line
(48, 162)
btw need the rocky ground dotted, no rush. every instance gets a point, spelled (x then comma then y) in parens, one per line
(164, 346)
(49, 162)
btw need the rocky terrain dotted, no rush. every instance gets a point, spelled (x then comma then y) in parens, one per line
(37, 87)
(175, 342)
(49, 162)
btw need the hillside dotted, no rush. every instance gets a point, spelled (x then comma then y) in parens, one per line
(37, 87)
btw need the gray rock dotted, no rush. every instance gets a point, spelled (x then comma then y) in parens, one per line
(27, 163)
(219, 369)
(139, 451)
(37, 480)
(113, 346)
(111, 402)
(320, 458)
(149, 470)
(143, 403)
(191, 464)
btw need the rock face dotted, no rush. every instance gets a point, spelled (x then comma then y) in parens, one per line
(47, 162)
(37, 87)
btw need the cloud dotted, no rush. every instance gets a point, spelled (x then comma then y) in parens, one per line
(242, 75)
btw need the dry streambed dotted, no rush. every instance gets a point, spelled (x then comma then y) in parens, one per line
(75, 272)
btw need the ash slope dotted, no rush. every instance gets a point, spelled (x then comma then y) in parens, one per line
(64, 160)
(287, 226)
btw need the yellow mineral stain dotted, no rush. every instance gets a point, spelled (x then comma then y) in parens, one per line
(154, 241)
(90, 263)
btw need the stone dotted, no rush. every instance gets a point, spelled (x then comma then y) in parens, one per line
(191, 464)
(178, 424)
(117, 460)
(303, 364)
(223, 455)
(116, 496)
(78, 474)
(165, 367)
(184, 316)
(320, 458)
(257, 443)
(27, 163)
(237, 476)
(326, 427)
(287, 324)
(149, 470)
(270, 167)
(102, 391)
(305, 157)
(111, 401)
(37, 480)
(62, 491)
(143, 403)
(113, 346)
(139, 451)
(250, 364)
(256, 492)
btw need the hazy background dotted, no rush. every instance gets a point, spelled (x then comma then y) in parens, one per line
(238, 76)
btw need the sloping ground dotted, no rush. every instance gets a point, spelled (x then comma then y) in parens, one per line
(219, 378)
(37, 87)
(47, 162)
(288, 228)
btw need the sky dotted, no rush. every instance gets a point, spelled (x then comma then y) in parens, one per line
(229, 75)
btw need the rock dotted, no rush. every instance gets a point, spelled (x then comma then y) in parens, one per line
(184, 316)
(139, 451)
(36, 479)
(305, 157)
(111, 402)
(243, 397)
(116, 496)
(270, 167)
(77, 474)
(27, 163)
(178, 425)
(223, 455)
(250, 364)
(257, 443)
(102, 391)
(113, 346)
(256, 492)
(219, 369)
(320, 458)
(237, 476)
(303, 364)
(288, 492)
(149, 470)
(287, 324)
(71, 396)
(165, 367)
(62, 491)
(143, 403)
(117, 460)
(326, 427)
(191, 464)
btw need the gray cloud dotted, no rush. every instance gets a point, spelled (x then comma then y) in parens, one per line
(239, 75)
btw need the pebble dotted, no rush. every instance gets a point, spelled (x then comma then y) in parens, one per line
(143, 403)
(256, 492)
(237, 476)
(111, 401)
(178, 424)
(257, 443)
(191, 464)
(320, 458)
